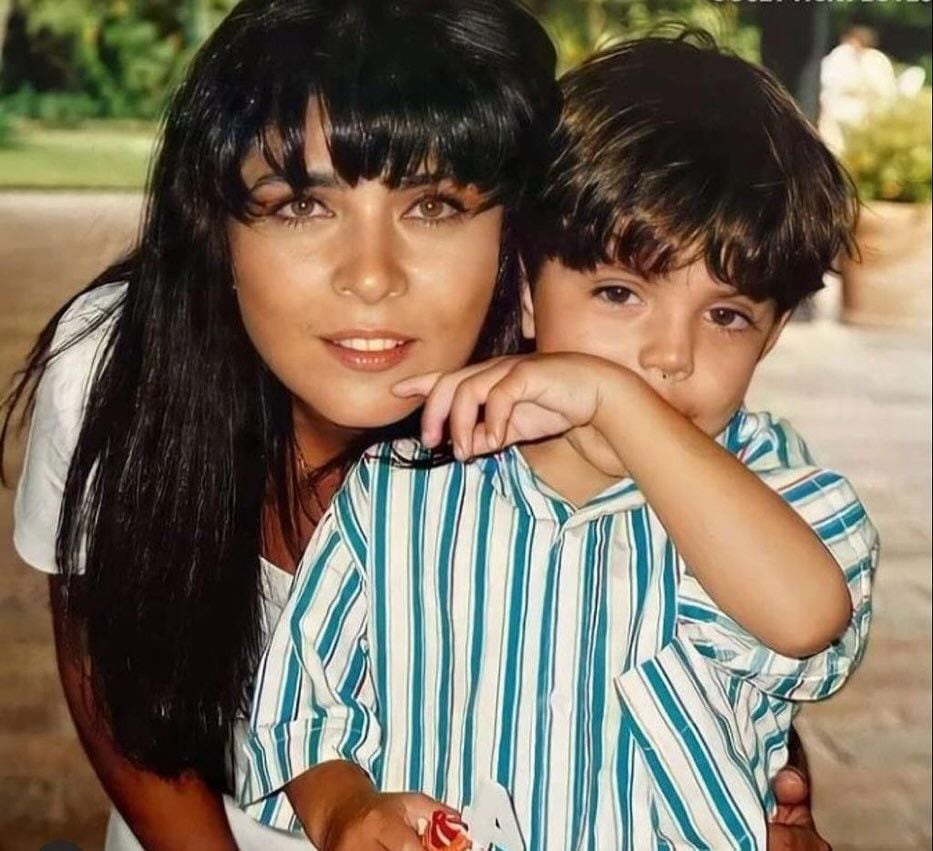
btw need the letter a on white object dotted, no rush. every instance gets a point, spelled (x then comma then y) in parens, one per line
(491, 818)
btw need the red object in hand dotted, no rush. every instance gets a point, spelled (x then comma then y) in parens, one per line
(446, 832)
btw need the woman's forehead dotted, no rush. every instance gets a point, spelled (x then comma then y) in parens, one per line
(267, 154)
(265, 161)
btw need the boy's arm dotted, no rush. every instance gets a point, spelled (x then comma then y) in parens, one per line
(314, 700)
(340, 808)
(760, 561)
(754, 555)
(325, 795)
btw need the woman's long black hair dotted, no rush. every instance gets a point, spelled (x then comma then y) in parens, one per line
(186, 430)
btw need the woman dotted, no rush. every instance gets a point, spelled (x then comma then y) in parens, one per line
(332, 209)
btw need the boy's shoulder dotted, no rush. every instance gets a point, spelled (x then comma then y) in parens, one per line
(762, 441)
(394, 459)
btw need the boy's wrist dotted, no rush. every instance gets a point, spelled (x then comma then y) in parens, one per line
(622, 396)
(328, 797)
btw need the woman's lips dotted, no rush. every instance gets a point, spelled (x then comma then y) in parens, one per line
(369, 351)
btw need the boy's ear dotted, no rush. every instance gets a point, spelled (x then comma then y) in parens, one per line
(775, 334)
(528, 311)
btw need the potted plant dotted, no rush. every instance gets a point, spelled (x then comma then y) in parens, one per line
(889, 157)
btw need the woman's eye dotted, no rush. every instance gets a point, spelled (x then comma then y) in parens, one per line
(303, 208)
(434, 209)
(726, 317)
(617, 295)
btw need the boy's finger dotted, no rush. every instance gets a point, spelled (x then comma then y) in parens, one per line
(483, 441)
(438, 404)
(417, 385)
(500, 403)
(464, 415)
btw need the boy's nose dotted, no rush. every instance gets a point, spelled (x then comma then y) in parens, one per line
(668, 355)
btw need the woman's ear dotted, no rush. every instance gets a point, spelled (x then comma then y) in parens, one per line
(528, 310)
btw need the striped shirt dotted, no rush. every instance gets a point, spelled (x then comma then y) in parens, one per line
(465, 622)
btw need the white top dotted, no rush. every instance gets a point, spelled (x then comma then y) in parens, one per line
(60, 402)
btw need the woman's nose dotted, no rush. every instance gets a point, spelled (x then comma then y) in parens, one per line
(372, 268)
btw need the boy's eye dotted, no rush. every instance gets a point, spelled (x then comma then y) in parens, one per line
(616, 294)
(726, 317)
(435, 208)
(303, 208)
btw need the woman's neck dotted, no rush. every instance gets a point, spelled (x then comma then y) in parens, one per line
(318, 439)
(318, 442)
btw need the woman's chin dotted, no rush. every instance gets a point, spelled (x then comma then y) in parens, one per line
(368, 414)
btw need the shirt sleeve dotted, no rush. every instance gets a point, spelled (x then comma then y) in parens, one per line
(61, 397)
(315, 697)
(830, 506)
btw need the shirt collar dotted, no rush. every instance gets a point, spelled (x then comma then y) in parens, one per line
(515, 481)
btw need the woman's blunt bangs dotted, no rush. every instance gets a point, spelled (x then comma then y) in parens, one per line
(457, 89)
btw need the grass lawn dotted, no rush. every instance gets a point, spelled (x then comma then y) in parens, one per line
(99, 155)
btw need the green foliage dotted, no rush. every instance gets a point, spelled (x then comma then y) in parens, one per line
(7, 130)
(124, 55)
(127, 66)
(889, 155)
(56, 109)
(580, 26)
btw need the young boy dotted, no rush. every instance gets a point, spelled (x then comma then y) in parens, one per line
(609, 605)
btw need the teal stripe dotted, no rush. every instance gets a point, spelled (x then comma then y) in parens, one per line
(380, 525)
(450, 525)
(669, 582)
(623, 781)
(336, 618)
(676, 806)
(728, 735)
(477, 631)
(640, 560)
(585, 702)
(544, 692)
(812, 485)
(416, 701)
(515, 640)
(841, 524)
(681, 722)
(602, 571)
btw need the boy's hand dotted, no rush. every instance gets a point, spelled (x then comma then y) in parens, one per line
(380, 822)
(520, 399)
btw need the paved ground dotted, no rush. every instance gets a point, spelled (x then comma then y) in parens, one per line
(862, 397)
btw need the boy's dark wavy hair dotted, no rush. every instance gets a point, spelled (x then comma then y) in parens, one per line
(185, 428)
(671, 151)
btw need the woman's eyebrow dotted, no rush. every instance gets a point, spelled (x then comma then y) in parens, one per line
(415, 180)
(315, 180)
